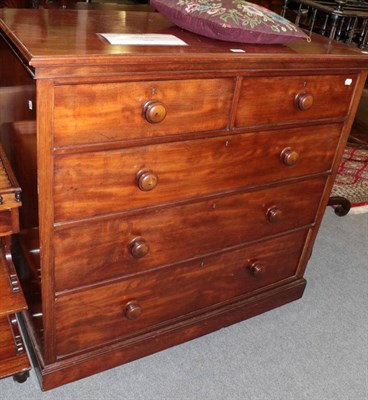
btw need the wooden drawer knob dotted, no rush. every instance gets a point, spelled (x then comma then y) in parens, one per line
(139, 247)
(146, 180)
(274, 214)
(289, 156)
(154, 111)
(133, 310)
(257, 268)
(304, 101)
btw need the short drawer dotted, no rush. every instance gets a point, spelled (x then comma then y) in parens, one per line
(270, 100)
(93, 252)
(102, 182)
(127, 308)
(123, 111)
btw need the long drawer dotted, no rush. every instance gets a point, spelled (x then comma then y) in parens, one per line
(114, 247)
(101, 182)
(285, 99)
(123, 111)
(132, 306)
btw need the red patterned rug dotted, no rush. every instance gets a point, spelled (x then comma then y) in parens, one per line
(352, 179)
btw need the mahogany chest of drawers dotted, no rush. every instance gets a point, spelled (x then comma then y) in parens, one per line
(168, 191)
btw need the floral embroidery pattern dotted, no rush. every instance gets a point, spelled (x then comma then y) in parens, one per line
(238, 13)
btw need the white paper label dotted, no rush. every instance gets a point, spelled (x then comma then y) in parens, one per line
(145, 39)
(348, 82)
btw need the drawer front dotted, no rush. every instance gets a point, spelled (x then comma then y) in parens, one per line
(89, 318)
(9, 222)
(124, 246)
(6, 222)
(101, 182)
(272, 100)
(123, 111)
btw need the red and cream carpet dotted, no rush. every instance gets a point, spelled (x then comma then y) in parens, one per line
(352, 179)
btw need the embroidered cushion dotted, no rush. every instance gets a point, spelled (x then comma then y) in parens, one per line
(229, 20)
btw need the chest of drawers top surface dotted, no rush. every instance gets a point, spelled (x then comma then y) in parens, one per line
(67, 41)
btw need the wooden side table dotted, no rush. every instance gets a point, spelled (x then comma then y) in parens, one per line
(13, 356)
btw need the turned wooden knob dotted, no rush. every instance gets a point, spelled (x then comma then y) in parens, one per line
(289, 156)
(274, 214)
(154, 111)
(257, 268)
(304, 101)
(133, 310)
(139, 247)
(146, 180)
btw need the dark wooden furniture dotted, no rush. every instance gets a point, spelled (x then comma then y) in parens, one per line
(168, 191)
(13, 356)
(345, 20)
